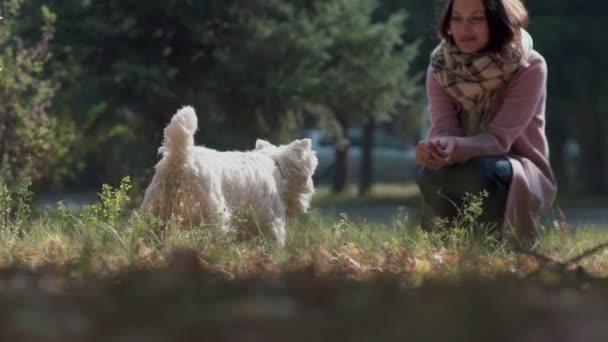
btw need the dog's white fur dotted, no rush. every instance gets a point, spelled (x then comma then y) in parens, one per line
(201, 185)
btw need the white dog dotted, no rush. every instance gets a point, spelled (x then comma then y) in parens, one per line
(199, 185)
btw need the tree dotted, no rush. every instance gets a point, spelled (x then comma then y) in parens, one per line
(125, 67)
(250, 68)
(325, 53)
(576, 85)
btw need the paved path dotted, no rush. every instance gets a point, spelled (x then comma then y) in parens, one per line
(381, 214)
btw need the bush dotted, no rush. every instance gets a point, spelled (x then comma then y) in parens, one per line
(31, 141)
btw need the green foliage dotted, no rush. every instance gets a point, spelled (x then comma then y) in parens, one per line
(112, 206)
(327, 53)
(107, 222)
(31, 141)
(15, 210)
(465, 230)
(251, 69)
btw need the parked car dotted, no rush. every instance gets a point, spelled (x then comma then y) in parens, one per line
(393, 158)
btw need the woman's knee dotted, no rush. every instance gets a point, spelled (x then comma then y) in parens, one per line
(492, 172)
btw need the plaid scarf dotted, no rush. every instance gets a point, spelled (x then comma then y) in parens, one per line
(474, 80)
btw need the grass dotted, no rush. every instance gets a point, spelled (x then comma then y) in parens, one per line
(109, 236)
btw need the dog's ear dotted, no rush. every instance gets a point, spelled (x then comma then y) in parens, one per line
(300, 146)
(260, 144)
(305, 144)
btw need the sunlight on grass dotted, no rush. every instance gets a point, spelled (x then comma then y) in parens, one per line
(108, 236)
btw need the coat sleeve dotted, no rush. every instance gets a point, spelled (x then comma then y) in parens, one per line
(518, 109)
(443, 110)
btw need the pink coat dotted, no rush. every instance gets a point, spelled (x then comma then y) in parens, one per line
(517, 131)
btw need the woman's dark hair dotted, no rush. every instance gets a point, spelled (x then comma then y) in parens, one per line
(505, 19)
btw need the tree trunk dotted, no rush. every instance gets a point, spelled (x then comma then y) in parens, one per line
(341, 161)
(366, 179)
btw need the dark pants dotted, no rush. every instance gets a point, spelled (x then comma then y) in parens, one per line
(443, 190)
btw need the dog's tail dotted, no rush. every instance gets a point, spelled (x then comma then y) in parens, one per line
(179, 134)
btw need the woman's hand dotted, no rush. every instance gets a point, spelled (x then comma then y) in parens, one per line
(435, 154)
(427, 153)
(447, 145)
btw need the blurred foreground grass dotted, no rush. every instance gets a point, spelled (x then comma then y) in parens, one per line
(187, 301)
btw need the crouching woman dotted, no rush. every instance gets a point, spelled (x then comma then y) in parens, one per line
(487, 87)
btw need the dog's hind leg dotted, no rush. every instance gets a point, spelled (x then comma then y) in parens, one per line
(278, 223)
(221, 213)
(278, 228)
(224, 219)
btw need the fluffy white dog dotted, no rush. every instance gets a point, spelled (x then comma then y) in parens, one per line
(200, 185)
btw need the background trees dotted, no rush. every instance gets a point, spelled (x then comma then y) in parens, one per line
(264, 69)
